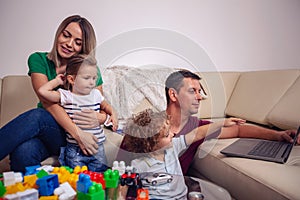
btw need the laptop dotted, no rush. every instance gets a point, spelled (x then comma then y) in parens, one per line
(260, 149)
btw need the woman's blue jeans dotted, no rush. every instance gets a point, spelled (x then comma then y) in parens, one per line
(30, 138)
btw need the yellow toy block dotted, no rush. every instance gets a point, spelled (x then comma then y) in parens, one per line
(54, 197)
(18, 187)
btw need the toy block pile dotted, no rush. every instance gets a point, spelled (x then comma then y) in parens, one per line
(60, 183)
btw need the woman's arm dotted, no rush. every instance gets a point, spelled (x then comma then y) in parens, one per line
(86, 141)
(90, 118)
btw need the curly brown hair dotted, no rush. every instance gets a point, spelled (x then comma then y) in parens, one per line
(144, 130)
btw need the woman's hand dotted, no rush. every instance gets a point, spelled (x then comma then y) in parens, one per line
(88, 118)
(87, 142)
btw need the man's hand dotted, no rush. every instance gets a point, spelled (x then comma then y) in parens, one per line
(88, 118)
(287, 135)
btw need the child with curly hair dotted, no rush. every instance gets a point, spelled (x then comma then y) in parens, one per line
(150, 137)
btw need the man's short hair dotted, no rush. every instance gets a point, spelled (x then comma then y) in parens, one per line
(175, 80)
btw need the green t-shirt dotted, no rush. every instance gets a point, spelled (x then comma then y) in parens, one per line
(39, 63)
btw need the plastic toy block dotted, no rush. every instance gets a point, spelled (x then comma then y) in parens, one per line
(47, 168)
(130, 178)
(142, 194)
(10, 178)
(18, 187)
(53, 197)
(31, 194)
(111, 178)
(47, 184)
(63, 174)
(78, 169)
(32, 169)
(120, 166)
(83, 183)
(55, 170)
(29, 181)
(69, 169)
(95, 192)
(96, 177)
(2, 189)
(65, 192)
(11, 197)
(73, 178)
(42, 173)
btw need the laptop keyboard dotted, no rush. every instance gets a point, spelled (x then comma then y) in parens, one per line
(266, 149)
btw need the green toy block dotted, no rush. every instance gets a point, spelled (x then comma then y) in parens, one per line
(111, 178)
(2, 189)
(69, 169)
(95, 192)
(42, 174)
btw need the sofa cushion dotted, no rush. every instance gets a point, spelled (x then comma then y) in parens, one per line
(248, 178)
(286, 113)
(17, 97)
(256, 93)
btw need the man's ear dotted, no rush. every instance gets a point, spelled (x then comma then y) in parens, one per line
(173, 94)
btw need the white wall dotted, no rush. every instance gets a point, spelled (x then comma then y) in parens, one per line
(233, 34)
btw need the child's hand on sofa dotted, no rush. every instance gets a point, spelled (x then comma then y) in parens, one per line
(233, 121)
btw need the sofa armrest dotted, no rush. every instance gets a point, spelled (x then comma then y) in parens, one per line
(17, 96)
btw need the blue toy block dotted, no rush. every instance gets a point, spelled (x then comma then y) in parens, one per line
(31, 169)
(47, 184)
(83, 183)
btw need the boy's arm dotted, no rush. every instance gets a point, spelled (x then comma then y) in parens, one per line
(203, 131)
(46, 91)
(250, 131)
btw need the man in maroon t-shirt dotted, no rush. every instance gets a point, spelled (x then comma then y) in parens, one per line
(184, 94)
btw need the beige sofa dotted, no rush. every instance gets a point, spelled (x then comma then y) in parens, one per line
(265, 98)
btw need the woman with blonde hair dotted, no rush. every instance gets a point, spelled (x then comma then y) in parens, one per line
(39, 133)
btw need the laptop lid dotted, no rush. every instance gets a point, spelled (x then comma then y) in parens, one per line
(244, 147)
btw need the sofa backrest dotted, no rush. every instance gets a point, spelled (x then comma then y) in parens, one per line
(265, 97)
(219, 87)
(257, 93)
(286, 113)
(17, 96)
